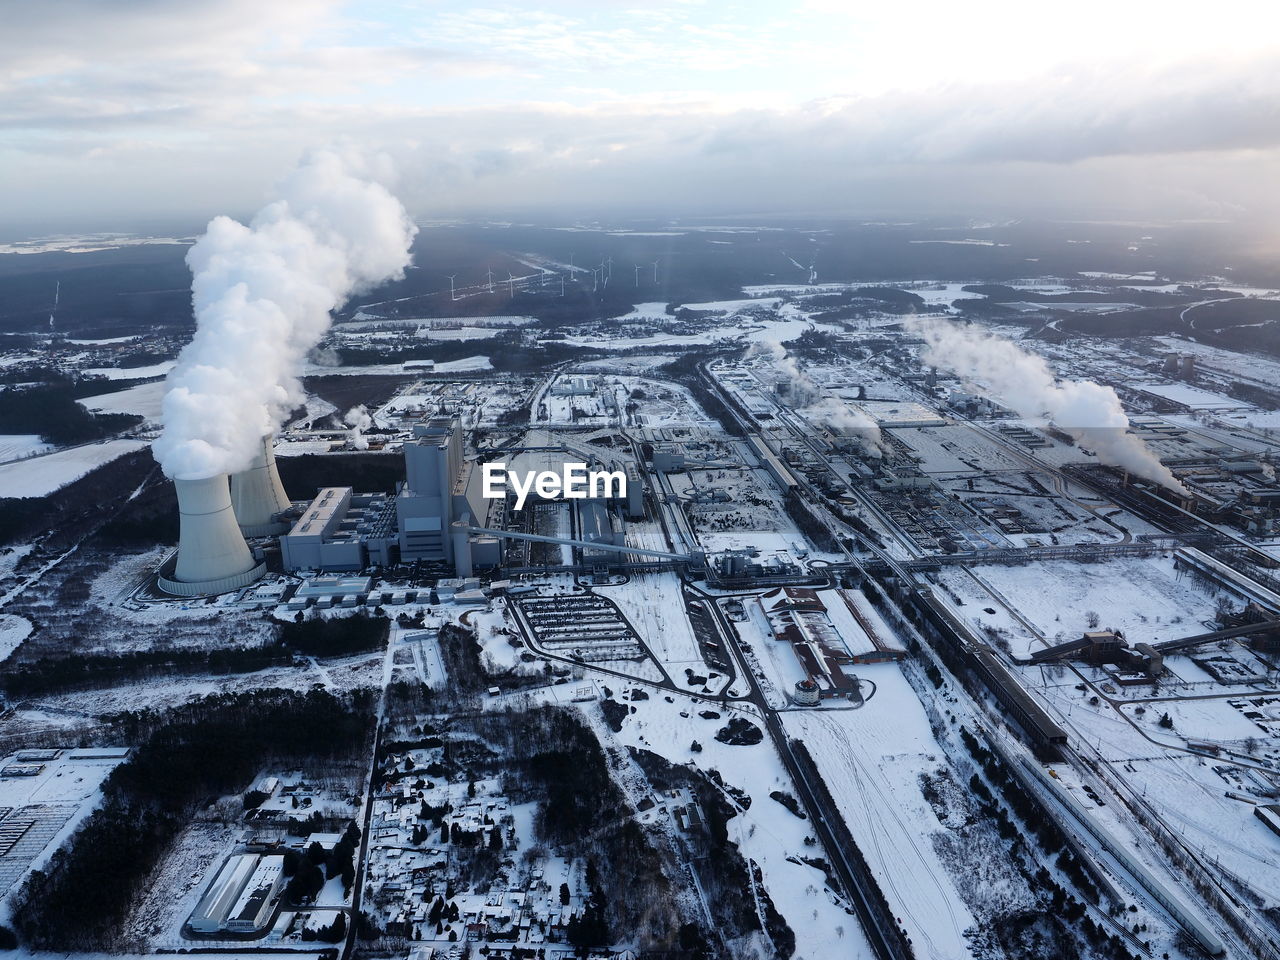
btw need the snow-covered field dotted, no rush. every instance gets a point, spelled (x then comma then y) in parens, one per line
(19, 446)
(1145, 598)
(131, 373)
(13, 630)
(872, 759)
(144, 399)
(655, 606)
(408, 368)
(40, 476)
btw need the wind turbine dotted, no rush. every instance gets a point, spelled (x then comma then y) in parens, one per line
(610, 276)
(490, 271)
(637, 275)
(562, 284)
(655, 271)
(511, 283)
(451, 276)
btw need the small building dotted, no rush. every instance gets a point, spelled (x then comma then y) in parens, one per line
(807, 693)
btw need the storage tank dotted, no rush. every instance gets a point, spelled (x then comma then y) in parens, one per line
(212, 555)
(257, 495)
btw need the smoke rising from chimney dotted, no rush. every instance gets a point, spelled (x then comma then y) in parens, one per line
(1091, 413)
(262, 295)
(359, 421)
(830, 411)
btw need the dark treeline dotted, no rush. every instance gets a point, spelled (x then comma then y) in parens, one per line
(340, 636)
(684, 370)
(803, 516)
(74, 508)
(101, 670)
(723, 873)
(51, 410)
(323, 638)
(183, 760)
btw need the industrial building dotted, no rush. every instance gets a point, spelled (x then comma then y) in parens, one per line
(438, 516)
(210, 914)
(803, 618)
(216, 515)
(257, 900)
(212, 554)
(341, 530)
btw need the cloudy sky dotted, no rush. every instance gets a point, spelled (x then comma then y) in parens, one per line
(114, 112)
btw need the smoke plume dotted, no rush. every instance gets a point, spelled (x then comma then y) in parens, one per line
(829, 411)
(1089, 412)
(359, 421)
(262, 295)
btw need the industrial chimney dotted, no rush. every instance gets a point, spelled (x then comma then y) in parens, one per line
(257, 494)
(212, 554)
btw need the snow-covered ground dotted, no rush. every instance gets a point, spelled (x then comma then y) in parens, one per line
(1144, 598)
(407, 368)
(13, 630)
(765, 832)
(872, 760)
(57, 797)
(144, 399)
(19, 446)
(655, 606)
(131, 373)
(40, 476)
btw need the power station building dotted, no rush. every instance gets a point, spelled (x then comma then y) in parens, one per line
(341, 530)
(438, 517)
(426, 521)
(426, 504)
(216, 514)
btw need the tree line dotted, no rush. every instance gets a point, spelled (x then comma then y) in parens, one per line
(183, 758)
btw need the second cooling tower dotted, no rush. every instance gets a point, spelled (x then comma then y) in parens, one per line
(212, 555)
(257, 495)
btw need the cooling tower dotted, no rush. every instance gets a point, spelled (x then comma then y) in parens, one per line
(212, 555)
(257, 494)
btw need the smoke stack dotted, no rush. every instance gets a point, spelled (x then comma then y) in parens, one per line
(257, 494)
(212, 554)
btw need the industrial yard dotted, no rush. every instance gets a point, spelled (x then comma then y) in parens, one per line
(865, 647)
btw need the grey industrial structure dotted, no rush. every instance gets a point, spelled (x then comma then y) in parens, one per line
(439, 515)
(242, 897)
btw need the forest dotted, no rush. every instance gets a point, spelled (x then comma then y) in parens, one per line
(183, 760)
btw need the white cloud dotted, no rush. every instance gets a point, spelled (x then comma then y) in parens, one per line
(150, 106)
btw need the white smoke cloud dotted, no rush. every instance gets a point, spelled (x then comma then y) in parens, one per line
(829, 411)
(840, 415)
(263, 294)
(1090, 412)
(358, 419)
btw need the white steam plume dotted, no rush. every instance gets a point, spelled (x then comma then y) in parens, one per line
(262, 295)
(359, 421)
(828, 410)
(838, 414)
(1090, 412)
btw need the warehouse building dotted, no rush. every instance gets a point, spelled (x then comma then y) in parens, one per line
(257, 901)
(211, 912)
